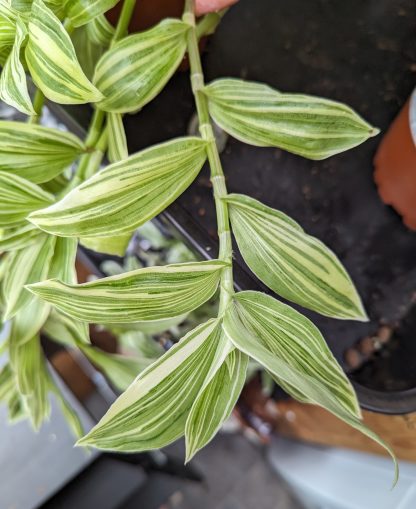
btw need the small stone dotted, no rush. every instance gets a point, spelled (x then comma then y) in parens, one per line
(352, 358)
(366, 346)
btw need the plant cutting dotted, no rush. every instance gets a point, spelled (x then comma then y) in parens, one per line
(192, 388)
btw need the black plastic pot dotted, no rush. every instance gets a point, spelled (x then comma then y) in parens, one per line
(356, 52)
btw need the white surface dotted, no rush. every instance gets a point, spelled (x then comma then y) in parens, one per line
(331, 478)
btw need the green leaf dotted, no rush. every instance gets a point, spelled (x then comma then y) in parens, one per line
(19, 237)
(19, 197)
(52, 62)
(136, 68)
(152, 412)
(242, 330)
(8, 17)
(115, 245)
(65, 330)
(293, 338)
(215, 402)
(126, 194)
(117, 143)
(100, 31)
(294, 264)
(28, 364)
(13, 85)
(26, 266)
(34, 152)
(28, 321)
(81, 12)
(310, 126)
(62, 265)
(152, 293)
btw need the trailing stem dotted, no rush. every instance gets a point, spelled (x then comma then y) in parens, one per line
(217, 174)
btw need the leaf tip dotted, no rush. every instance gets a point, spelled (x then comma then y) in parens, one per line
(374, 131)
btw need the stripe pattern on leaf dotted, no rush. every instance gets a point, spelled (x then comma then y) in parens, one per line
(294, 264)
(34, 152)
(136, 68)
(81, 12)
(148, 294)
(152, 412)
(13, 85)
(52, 60)
(309, 126)
(126, 194)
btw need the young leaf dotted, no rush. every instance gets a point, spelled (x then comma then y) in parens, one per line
(26, 266)
(293, 338)
(52, 61)
(310, 126)
(100, 31)
(152, 293)
(126, 194)
(19, 237)
(215, 402)
(19, 197)
(115, 245)
(117, 143)
(243, 334)
(81, 12)
(294, 264)
(136, 68)
(152, 412)
(34, 152)
(13, 85)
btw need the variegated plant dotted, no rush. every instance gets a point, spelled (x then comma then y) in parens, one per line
(73, 56)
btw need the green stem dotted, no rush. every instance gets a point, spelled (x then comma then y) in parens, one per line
(217, 174)
(123, 20)
(209, 23)
(38, 102)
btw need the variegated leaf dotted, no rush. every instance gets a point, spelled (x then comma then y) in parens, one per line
(253, 336)
(126, 194)
(28, 321)
(294, 264)
(310, 126)
(151, 293)
(26, 266)
(215, 402)
(52, 61)
(34, 152)
(81, 12)
(62, 265)
(152, 412)
(117, 143)
(8, 17)
(136, 68)
(100, 31)
(18, 237)
(19, 197)
(13, 85)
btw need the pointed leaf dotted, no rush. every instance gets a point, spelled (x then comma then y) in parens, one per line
(19, 197)
(215, 402)
(152, 293)
(81, 12)
(136, 68)
(34, 152)
(13, 85)
(310, 126)
(152, 412)
(19, 237)
(117, 143)
(294, 264)
(311, 388)
(52, 61)
(126, 194)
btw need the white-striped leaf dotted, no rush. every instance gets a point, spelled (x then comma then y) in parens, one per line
(34, 152)
(294, 264)
(81, 12)
(215, 402)
(28, 364)
(136, 68)
(246, 332)
(126, 194)
(52, 62)
(19, 197)
(100, 31)
(147, 294)
(19, 237)
(62, 265)
(13, 85)
(117, 143)
(8, 17)
(152, 412)
(310, 126)
(26, 266)
(65, 330)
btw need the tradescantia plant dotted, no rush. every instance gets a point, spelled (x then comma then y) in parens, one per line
(73, 55)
